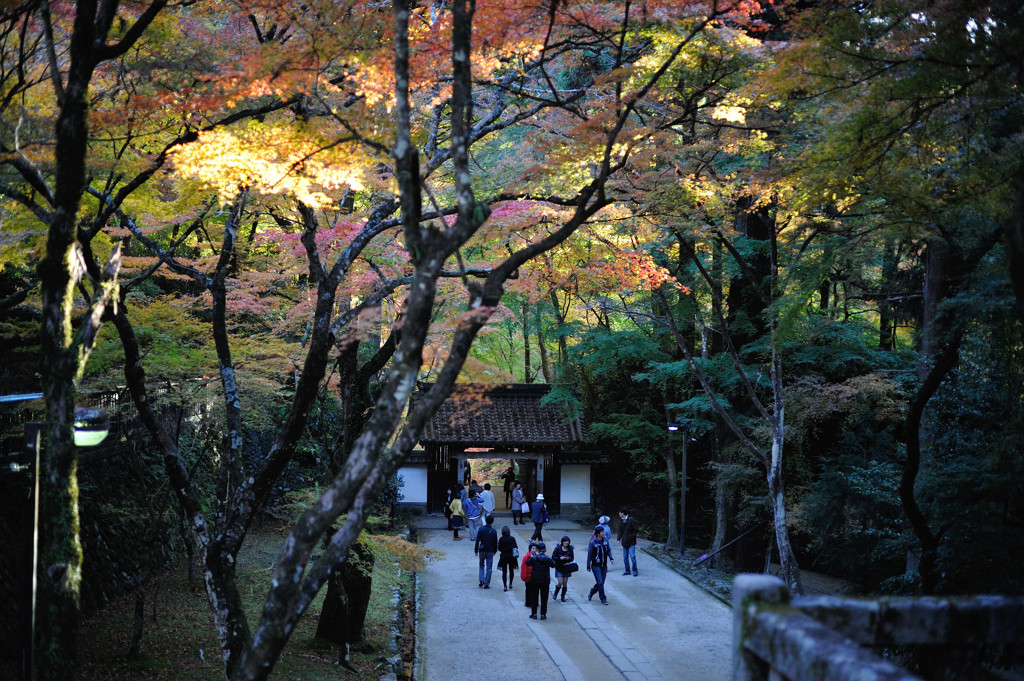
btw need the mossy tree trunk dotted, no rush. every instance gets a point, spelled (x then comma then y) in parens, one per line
(343, 617)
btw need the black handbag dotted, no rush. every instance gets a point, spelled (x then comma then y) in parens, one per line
(569, 568)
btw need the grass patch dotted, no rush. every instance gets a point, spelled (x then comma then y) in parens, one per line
(179, 641)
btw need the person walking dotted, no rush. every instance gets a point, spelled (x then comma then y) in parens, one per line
(508, 557)
(474, 511)
(487, 497)
(540, 580)
(628, 529)
(509, 478)
(524, 574)
(565, 564)
(597, 563)
(458, 518)
(518, 502)
(485, 546)
(537, 512)
(607, 534)
(449, 497)
(603, 522)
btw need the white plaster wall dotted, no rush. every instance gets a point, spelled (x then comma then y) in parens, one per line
(575, 484)
(414, 491)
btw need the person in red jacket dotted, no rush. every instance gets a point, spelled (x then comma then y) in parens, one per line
(526, 569)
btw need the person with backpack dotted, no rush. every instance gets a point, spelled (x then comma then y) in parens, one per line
(597, 563)
(540, 579)
(485, 546)
(538, 511)
(508, 551)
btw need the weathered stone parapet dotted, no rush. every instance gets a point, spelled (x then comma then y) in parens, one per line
(819, 639)
(960, 621)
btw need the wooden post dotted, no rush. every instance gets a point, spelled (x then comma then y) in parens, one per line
(750, 590)
(30, 549)
(540, 475)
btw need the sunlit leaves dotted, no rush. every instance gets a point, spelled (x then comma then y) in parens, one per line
(272, 160)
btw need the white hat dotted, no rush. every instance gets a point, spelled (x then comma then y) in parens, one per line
(603, 519)
(540, 497)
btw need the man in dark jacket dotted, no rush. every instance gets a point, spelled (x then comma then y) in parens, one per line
(537, 512)
(509, 477)
(540, 579)
(597, 563)
(627, 538)
(485, 547)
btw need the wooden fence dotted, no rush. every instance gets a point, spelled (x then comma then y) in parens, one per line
(843, 639)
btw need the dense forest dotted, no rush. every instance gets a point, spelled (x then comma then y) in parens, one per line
(792, 228)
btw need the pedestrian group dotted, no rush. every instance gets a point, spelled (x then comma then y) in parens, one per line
(474, 509)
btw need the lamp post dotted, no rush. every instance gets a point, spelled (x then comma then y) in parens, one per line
(91, 427)
(675, 426)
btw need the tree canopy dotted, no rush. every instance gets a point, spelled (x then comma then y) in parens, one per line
(796, 227)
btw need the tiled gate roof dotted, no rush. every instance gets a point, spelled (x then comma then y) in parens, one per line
(495, 415)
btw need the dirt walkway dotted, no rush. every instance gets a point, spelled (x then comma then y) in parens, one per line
(656, 626)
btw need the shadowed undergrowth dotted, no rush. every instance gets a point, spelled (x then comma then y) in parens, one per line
(179, 641)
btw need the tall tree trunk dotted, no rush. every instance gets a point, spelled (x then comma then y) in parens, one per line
(668, 456)
(936, 358)
(343, 616)
(723, 495)
(744, 301)
(721, 514)
(563, 349)
(337, 610)
(352, 406)
(527, 369)
(928, 540)
(220, 565)
(936, 289)
(886, 318)
(886, 327)
(59, 572)
(776, 487)
(1015, 250)
(542, 348)
(946, 272)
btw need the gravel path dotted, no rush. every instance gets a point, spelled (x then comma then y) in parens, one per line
(656, 626)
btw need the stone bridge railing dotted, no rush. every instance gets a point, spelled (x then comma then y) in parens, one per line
(841, 639)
